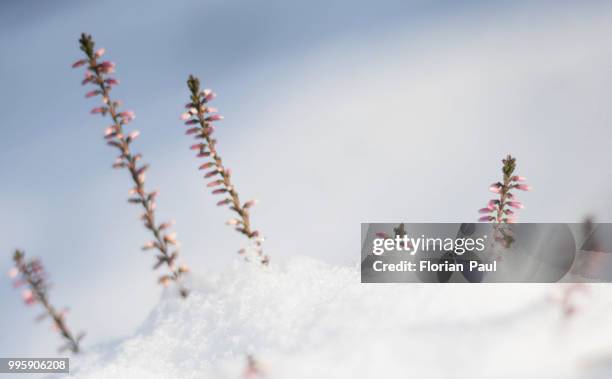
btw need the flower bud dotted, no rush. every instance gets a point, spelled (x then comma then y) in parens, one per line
(79, 63)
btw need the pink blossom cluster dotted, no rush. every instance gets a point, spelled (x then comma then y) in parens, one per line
(200, 117)
(31, 275)
(164, 241)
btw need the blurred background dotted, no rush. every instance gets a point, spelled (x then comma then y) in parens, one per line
(337, 113)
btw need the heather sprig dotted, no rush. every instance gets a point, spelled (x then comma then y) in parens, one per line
(567, 298)
(500, 210)
(200, 118)
(32, 275)
(97, 75)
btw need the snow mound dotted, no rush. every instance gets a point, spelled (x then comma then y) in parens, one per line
(307, 319)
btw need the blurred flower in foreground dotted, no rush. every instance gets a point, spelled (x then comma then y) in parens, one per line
(163, 241)
(200, 118)
(32, 276)
(253, 369)
(567, 298)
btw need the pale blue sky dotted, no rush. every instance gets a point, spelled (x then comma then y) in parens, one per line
(337, 112)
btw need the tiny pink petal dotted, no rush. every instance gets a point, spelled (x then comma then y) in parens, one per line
(79, 63)
(13, 272)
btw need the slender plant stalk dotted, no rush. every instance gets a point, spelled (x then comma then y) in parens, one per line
(32, 275)
(199, 116)
(97, 74)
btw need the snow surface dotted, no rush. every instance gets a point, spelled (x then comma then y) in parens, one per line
(307, 319)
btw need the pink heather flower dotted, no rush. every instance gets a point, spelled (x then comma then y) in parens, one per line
(164, 281)
(192, 131)
(515, 204)
(28, 297)
(13, 272)
(107, 67)
(492, 203)
(523, 187)
(518, 178)
(211, 174)
(208, 95)
(185, 116)
(170, 238)
(233, 221)
(79, 63)
(509, 212)
(203, 154)
(215, 117)
(110, 131)
(486, 218)
(249, 204)
(219, 191)
(92, 93)
(211, 110)
(191, 122)
(98, 110)
(111, 81)
(193, 111)
(206, 165)
(197, 146)
(223, 202)
(89, 77)
(100, 52)
(127, 115)
(215, 183)
(133, 135)
(495, 187)
(148, 245)
(485, 210)
(166, 225)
